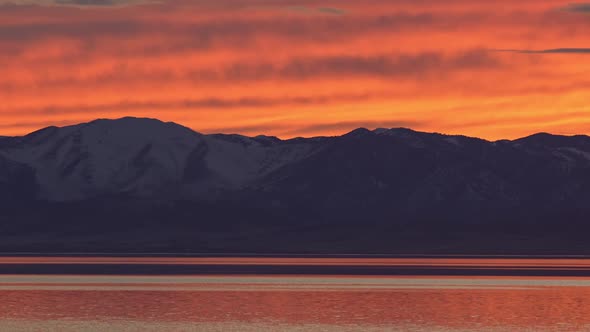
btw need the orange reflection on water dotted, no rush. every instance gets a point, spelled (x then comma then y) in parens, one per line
(541, 308)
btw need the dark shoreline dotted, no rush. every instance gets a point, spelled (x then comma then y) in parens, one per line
(147, 269)
(250, 264)
(284, 255)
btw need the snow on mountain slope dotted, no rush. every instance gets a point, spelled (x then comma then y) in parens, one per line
(146, 157)
(240, 160)
(125, 155)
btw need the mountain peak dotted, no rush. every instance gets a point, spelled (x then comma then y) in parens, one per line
(540, 135)
(129, 129)
(117, 155)
(550, 140)
(133, 122)
(359, 132)
(393, 131)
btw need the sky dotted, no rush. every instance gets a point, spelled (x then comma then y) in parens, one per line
(493, 69)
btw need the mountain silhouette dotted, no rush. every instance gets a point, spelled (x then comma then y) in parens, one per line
(144, 185)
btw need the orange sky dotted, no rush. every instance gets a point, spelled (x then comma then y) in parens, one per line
(299, 68)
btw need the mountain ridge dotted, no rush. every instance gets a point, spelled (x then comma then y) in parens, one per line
(377, 130)
(143, 181)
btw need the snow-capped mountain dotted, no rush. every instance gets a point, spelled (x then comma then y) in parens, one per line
(150, 158)
(143, 157)
(81, 161)
(162, 183)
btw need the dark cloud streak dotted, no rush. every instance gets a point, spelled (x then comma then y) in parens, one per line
(420, 66)
(74, 3)
(550, 51)
(318, 28)
(579, 7)
(197, 104)
(87, 2)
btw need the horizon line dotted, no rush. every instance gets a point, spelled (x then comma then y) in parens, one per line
(346, 132)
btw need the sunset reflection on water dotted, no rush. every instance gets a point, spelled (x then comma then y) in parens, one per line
(292, 303)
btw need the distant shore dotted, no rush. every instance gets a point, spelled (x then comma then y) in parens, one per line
(284, 255)
(370, 265)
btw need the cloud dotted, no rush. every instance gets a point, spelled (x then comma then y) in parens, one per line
(579, 7)
(418, 66)
(86, 2)
(333, 11)
(423, 66)
(197, 104)
(378, 65)
(77, 3)
(230, 29)
(551, 51)
(314, 11)
(220, 63)
(243, 29)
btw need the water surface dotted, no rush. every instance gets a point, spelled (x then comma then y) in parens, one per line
(292, 303)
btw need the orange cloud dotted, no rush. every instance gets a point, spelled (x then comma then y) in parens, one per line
(297, 68)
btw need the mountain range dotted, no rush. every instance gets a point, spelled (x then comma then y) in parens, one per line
(140, 185)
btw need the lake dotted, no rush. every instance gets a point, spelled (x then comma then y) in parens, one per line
(282, 302)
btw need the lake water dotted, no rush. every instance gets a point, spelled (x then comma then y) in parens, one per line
(293, 303)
